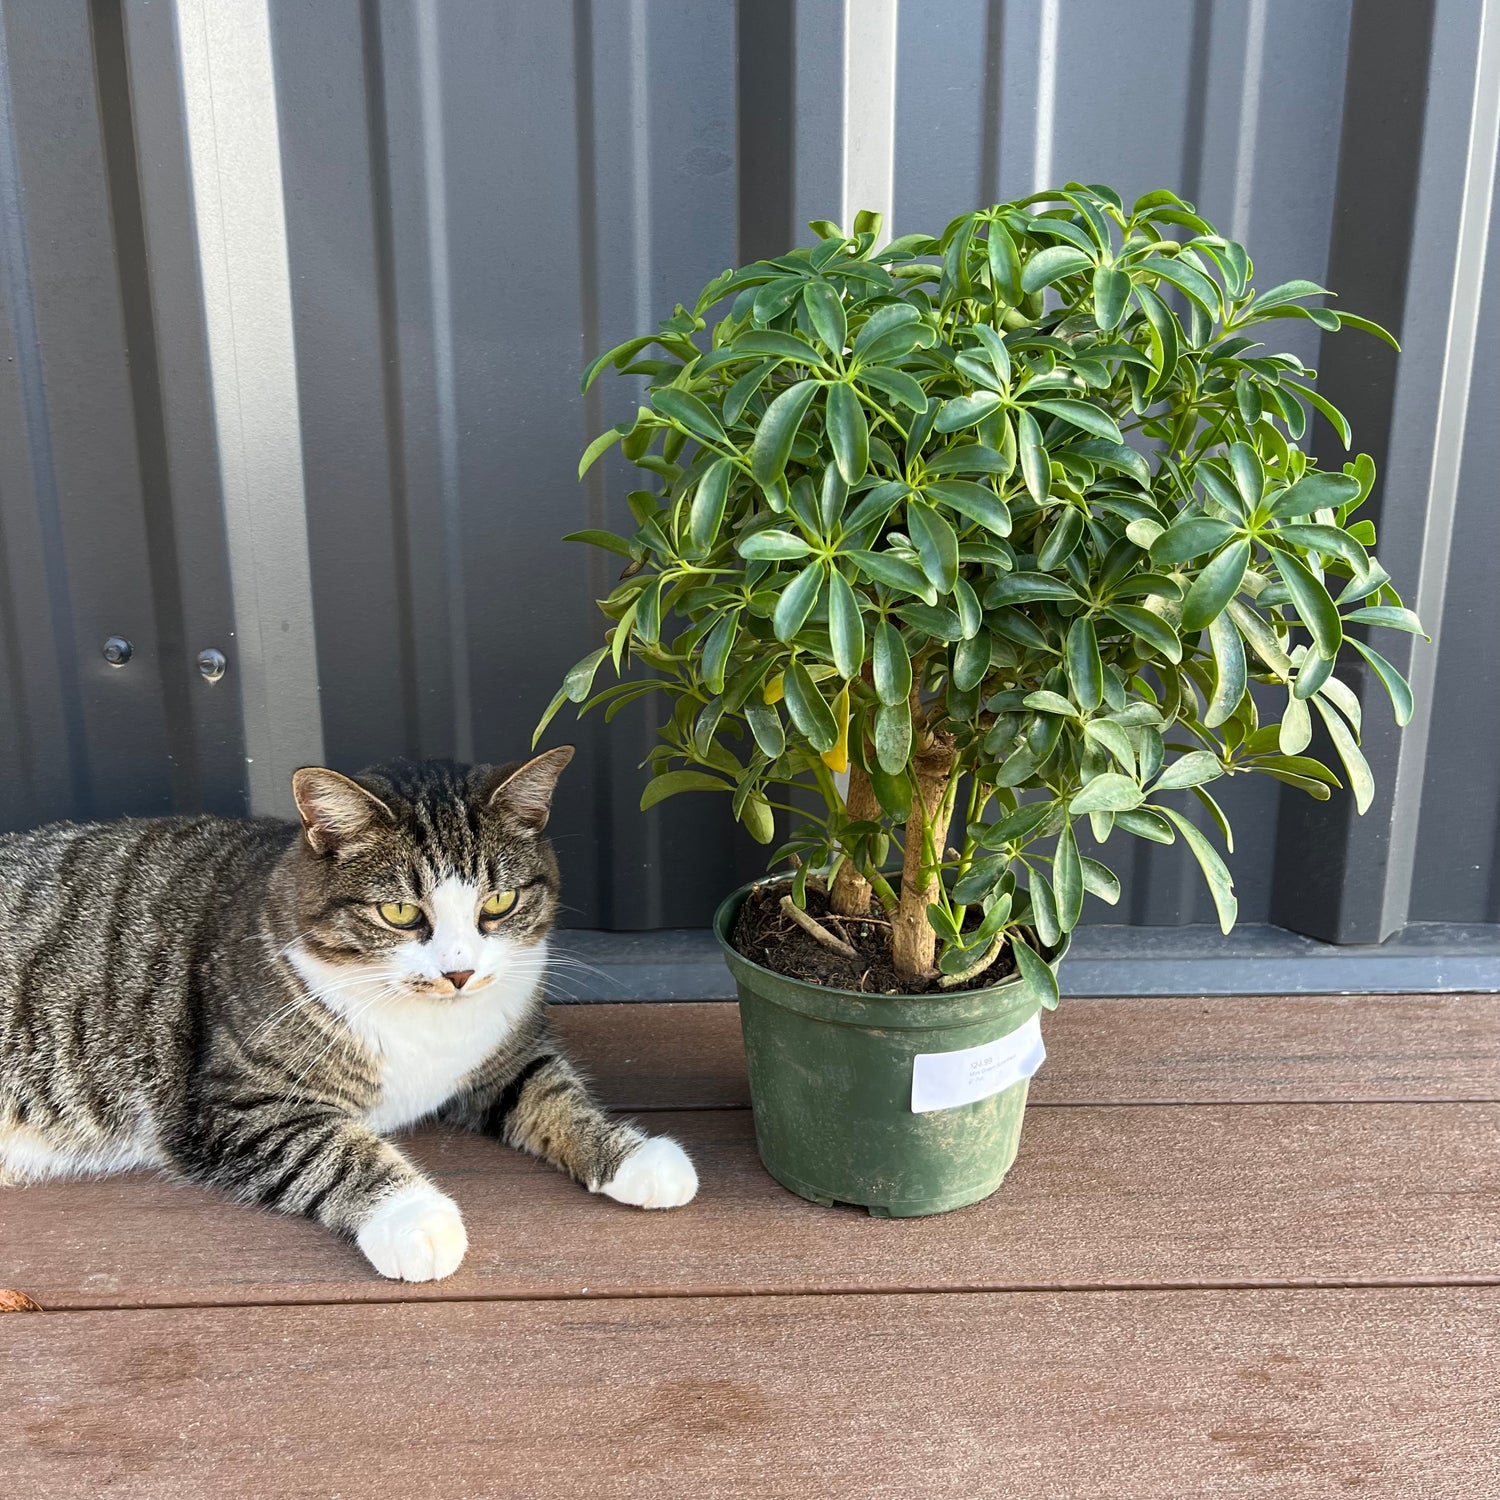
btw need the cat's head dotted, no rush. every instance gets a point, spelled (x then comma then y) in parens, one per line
(424, 880)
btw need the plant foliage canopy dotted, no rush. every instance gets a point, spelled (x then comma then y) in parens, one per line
(1011, 525)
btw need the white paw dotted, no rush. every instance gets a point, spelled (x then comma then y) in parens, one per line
(657, 1174)
(415, 1235)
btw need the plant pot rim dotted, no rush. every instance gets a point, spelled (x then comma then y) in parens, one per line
(932, 1010)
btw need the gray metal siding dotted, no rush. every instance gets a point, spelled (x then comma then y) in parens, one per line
(475, 197)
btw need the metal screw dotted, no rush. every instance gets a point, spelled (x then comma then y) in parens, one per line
(212, 664)
(118, 651)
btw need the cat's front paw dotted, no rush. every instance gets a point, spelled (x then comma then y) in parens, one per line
(657, 1174)
(415, 1235)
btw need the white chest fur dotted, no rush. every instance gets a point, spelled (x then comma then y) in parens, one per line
(426, 1048)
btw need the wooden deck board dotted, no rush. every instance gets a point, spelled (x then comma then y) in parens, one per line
(1099, 1196)
(1190, 1050)
(1164, 1395)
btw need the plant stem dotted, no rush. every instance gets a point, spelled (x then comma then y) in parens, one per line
(850, 893)
(815, 929)
(913, 942)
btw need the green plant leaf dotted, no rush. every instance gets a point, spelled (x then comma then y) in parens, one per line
(891, 664)
(670, 783)
(1062, 540)
(809, 712)
(772, 545)
(826, 309)
(1336, 419)
(1314, 608)
(1046, 702)
(1067, 876)
(1220, 885)
(896, 384)
(1005, 264)
(1192, 769)
(716, 647)
(1356, 767)
(778, 430)
(796, 604)
(1230, 675)
(601, 444)
(1314, 491)
(689, 413)
(1114, 739)
(606, 539)
(971, 458)
(765, 725)
(1295, 732)
(849, 433)
(1085, 669)
(1111, 292)
(893, 736)
(846, 630)
(1189, 538)
(1288, 291)
(1099, 880)
(1082, 415)
(708, 504)
(1330, 540)
(975, 502)
(1052, 264)
(965, 411)
(1215, 586)
(894, 572)
(1395, 684)
(1148, 627)
(1034, 970)
(1390, 615)
(936, 545)
(1107, 792)
(1146, 825)
(1034, 464)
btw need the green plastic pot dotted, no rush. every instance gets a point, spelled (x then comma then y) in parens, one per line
(831, 1086)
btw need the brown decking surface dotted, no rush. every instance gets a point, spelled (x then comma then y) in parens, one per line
(1251, 1247)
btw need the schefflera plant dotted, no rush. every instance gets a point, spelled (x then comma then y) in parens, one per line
(1010, 525)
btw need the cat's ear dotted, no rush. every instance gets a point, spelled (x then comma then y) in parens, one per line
(526, 793)
(335, 811)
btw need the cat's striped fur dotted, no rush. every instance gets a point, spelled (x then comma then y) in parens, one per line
(223, 999)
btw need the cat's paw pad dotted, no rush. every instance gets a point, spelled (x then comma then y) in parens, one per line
(657, 1174)
(415, 1235)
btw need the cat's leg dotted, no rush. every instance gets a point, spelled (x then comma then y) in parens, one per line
(318, 1162)
(539, 1104)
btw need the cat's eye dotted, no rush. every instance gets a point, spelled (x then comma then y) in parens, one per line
(400, 913)
(498, 904)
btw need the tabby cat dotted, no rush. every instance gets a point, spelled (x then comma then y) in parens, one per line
(253, 1005)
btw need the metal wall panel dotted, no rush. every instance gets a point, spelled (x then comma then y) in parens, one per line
(296, 293)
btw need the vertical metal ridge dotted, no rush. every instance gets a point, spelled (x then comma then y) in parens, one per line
(1329, 870)
(1250, 87)
(377, 132)
(989, 120)
(1195, 116)
(589, 302)
(1460, 346)
(765, 79)
(869, 179)
(15, 266)
(1046, 96)
(234, 154)
(123, 185)
(445, 375)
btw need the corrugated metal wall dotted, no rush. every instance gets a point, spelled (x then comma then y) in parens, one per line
(296, 296)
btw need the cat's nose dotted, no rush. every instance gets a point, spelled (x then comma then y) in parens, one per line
(459, 977)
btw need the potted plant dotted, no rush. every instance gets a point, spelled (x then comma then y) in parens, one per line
(964, 555)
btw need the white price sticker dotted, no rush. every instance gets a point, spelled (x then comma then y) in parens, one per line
(944, 1080)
